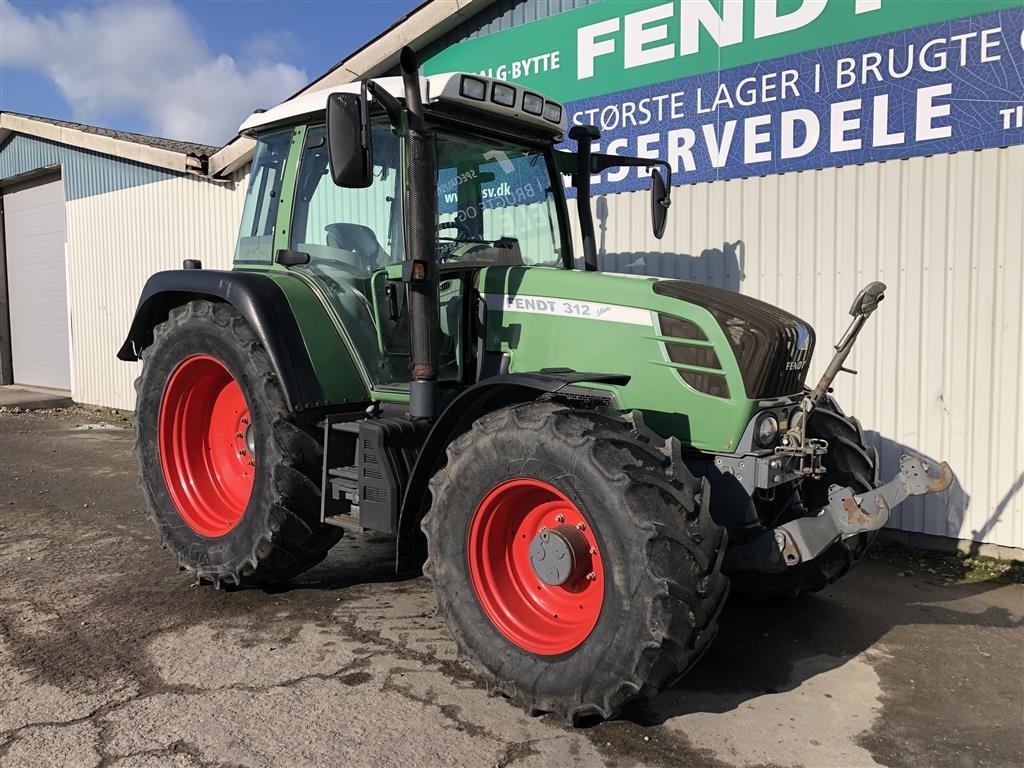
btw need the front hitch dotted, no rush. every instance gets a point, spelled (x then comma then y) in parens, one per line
(864, 305)
(848, 513)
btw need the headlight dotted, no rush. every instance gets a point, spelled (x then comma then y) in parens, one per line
(766, 429)
(793, 416)
(552, 112)
(502, 94)
(533, 104)
(472, 88)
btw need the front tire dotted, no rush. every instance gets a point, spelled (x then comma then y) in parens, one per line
(640, 599)
(231, 480)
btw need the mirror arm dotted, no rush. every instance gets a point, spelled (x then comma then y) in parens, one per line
(600, 161)
(391, 105)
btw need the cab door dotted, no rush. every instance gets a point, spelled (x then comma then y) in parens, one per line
(350, 239)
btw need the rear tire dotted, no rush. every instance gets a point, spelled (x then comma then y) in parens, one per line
(851, 462)
(656, 558)
(256, 517)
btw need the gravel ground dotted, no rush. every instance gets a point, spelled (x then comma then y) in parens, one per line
(109, 656)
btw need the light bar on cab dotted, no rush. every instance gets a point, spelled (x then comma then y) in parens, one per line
(497, 97)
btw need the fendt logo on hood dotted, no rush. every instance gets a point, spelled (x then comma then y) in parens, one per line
(800, 347)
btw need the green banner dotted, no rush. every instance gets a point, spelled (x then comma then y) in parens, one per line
(616, 45)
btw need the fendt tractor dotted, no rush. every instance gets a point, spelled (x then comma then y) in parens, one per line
(581, 462)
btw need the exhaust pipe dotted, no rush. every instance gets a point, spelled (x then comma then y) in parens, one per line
(419, 271)
(584, 135)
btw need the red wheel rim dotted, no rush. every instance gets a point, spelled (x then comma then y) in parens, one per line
(539, 617)
(206, 445)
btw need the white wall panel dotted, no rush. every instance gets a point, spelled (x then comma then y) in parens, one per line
(116, 240)
(33, 230)
(941, 363)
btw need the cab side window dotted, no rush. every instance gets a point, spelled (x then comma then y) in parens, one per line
(354, 230)
(259, 215)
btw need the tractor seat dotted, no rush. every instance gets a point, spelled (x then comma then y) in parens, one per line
(359, 240)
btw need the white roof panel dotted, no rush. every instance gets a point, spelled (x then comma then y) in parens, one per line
(435, 88)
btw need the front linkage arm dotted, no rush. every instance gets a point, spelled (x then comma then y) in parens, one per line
(864, 305)
(848, 514)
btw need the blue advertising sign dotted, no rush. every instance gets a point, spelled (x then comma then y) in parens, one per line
(945, 87)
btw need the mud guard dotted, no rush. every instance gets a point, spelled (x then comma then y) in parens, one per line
(260, 300)
(484, 396)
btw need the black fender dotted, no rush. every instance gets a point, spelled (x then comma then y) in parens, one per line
(260, 300)
(483, 397)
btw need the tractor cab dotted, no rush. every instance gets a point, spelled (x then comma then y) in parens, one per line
(498, 201)
(342, 160)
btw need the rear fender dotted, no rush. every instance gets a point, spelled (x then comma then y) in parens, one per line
(264, 305)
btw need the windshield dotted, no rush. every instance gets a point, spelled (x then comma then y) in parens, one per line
(496, 204)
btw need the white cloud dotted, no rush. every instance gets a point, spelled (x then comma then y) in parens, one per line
(148, 61)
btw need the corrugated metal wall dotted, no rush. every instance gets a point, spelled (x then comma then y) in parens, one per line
(941, 364)
(125, 221)
(502, 15)
(85, 173)
(115, 242)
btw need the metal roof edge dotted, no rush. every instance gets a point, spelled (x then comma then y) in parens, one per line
(423, 25)
(178, 162)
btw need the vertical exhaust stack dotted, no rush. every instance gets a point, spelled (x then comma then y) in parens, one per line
(584, 135)
(420, 268)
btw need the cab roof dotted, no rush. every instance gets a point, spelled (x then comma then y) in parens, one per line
(448, 88)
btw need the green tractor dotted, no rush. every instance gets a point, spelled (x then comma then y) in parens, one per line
(581, 462)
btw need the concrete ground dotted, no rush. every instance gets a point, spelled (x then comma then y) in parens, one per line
(111, 657)
(33, 398)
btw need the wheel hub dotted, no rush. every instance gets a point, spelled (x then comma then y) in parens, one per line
(536, 566)
(560, 555)
(207, 445)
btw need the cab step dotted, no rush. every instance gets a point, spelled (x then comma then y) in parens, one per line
(366, 466)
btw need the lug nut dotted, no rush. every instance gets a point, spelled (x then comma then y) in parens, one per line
(581, 526)
(559, 518)
(244, 419)
(593, 550)
(252, 463)
(241, 451)
(591, 576)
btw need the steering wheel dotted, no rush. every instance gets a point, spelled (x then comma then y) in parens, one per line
(463, 236)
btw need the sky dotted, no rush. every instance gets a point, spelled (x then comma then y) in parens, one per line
(189, 70)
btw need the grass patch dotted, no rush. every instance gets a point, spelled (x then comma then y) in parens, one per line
(950, 565)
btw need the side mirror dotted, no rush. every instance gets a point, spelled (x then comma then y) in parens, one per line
(349, 144)
(660, 201)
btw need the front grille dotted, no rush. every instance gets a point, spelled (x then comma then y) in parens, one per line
(773, 348)
(705, 357)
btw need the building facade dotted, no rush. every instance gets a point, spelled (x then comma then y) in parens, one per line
(88, 216)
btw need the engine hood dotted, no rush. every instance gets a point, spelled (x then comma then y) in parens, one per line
(699, 359)
(772, 347)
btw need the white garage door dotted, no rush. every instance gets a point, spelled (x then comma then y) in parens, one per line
(37, 283)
